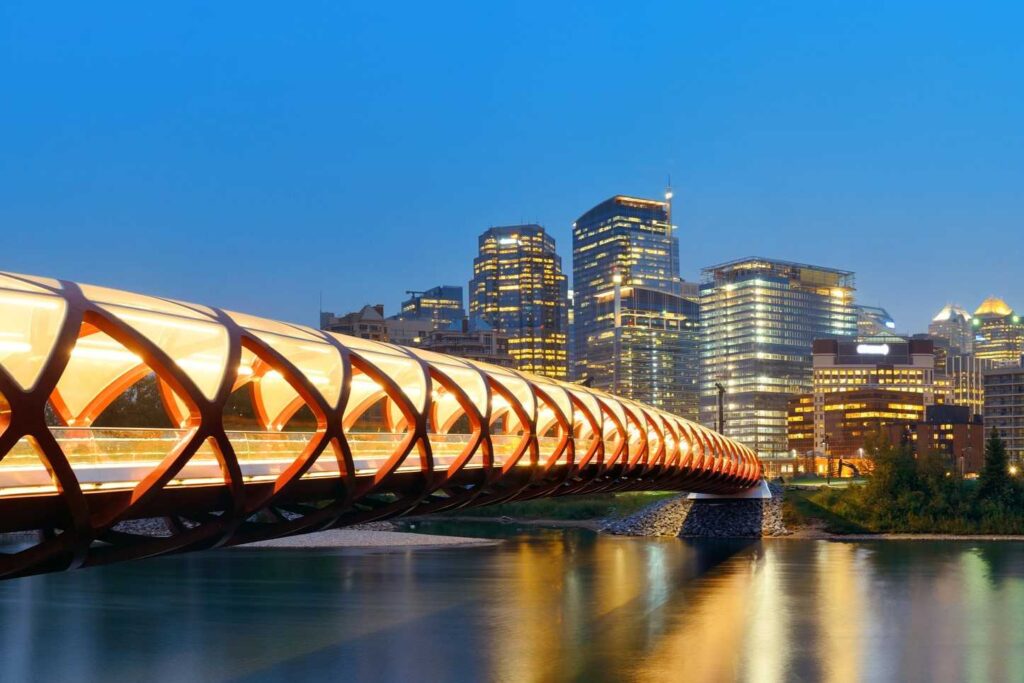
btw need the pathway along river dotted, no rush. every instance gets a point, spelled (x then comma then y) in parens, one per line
(546, 605)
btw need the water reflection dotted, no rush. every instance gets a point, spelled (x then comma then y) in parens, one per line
(546, 605)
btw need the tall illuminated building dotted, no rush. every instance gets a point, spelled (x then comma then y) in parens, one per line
(998, 333)
(953, 324)
(759, 319)
(518, 288)
(636, 324)
(624, 237)
(650, 350)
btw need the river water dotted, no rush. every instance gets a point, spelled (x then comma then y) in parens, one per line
(545, 605)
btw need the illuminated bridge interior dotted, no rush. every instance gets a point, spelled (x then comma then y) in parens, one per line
(231, 428)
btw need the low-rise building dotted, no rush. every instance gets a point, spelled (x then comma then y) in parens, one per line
(953, 431)
(847, 420)
(467, 338)
(366, 323)
(475, 341)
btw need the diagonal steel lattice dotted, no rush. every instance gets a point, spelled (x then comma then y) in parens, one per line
(390, 430)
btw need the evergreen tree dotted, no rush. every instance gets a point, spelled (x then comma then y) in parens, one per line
(994, 483)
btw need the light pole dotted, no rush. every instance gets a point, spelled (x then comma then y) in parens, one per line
(828, 461)
(721, 408)
(617, 347)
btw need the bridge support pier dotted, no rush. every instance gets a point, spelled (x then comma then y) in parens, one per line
(754, 513)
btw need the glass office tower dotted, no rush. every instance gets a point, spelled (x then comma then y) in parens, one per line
(647, 348)
(759, 318)
(624, 238)
(442, 305)
(518, 288)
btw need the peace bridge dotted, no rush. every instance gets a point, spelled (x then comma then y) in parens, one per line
(231, 428)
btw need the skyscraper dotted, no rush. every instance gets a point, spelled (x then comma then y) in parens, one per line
(759, 318)
(953, 323)
(626, 238)
(650, 350)
(636, 331)
(999, 333)
(518, 288)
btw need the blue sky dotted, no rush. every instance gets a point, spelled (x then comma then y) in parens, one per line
(250, 155)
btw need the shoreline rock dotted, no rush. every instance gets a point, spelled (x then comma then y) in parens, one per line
(706, 518)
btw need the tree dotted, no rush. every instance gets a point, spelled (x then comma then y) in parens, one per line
(995, 483)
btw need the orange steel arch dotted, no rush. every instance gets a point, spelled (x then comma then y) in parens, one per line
(69, 351)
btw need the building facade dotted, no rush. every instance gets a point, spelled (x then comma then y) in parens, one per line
(1004, 408)
(636, 323)
(651, 352)
(800, 428)
(366, 323)
(953, 323)
(848, 421)
(759, 318)
(875, 324)
(624, 240)
(861, 387)
(474, 341)
(519, 289)
(950, 431)
(965, 375)
(998, 333)
(466, 338)
(441, 305)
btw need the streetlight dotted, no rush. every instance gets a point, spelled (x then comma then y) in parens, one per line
(828, 461)
(617, 323)
(721, 407)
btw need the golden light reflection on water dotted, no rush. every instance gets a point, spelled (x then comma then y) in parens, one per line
(839, 611)
(772, 611)
(542, 606)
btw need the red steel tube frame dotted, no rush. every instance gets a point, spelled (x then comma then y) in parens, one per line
(651, 449)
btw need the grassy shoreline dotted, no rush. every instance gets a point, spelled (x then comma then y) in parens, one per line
(812, 513)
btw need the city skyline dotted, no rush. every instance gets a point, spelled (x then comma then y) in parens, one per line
(518, 341)
(292, 150)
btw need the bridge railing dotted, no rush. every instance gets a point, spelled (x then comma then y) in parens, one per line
(114, 458)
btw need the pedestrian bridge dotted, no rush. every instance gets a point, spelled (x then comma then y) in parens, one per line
(227, 428)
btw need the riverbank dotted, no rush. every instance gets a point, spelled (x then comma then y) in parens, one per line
(594, 524)
(808, 519)
(364, 538)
